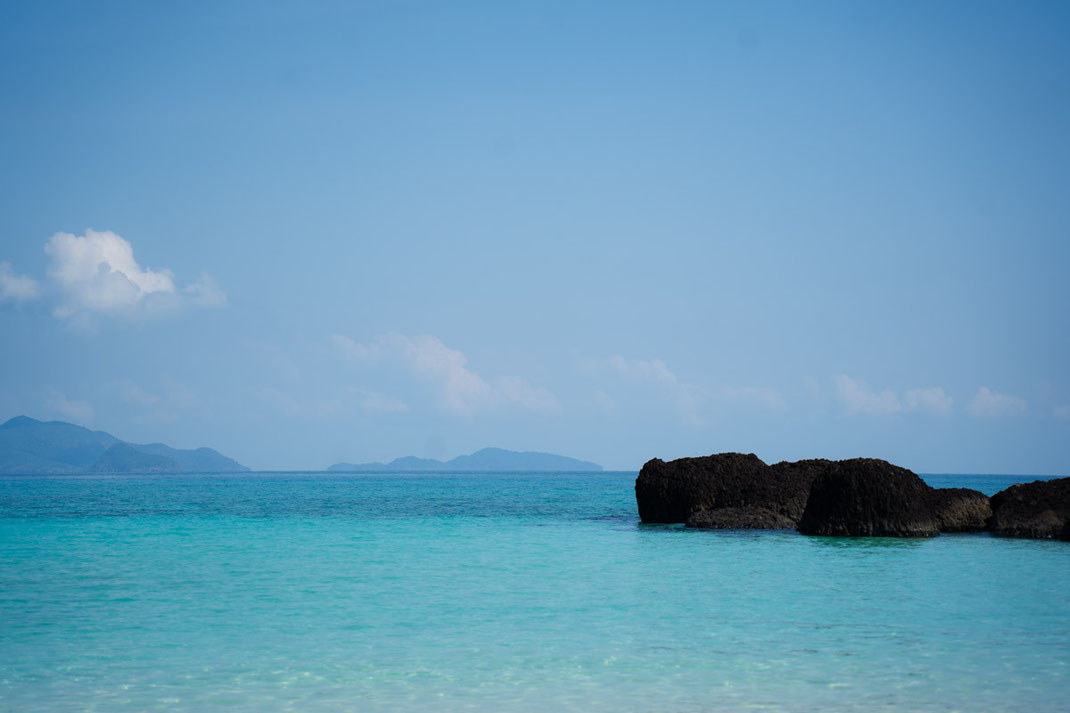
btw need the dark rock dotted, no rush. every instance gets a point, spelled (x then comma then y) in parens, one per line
(865, 497)
(960, 509)
(1039, 510)
(727, 490)
(746, 518)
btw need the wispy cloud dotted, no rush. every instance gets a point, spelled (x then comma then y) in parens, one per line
(459, 389)
(856, 397)
(987, 403)
(15, 287)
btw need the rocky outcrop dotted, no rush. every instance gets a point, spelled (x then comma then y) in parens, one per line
(727, 490)
(960, 509)
(861, 497)
(865, 497)
(1040, 510)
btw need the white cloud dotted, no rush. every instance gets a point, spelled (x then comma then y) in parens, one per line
(931, 399)
(78, 412)
(856, 397)
(96, 273)
(459, 389)
(987, 403)
(14, 287)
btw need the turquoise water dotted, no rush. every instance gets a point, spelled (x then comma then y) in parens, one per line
(289, 592)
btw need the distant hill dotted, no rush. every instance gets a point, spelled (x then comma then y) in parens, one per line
(488, 459)
(31, 446)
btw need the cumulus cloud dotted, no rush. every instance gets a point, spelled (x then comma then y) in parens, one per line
(987, 403)
(15, 287)
(96, 274)
(856, 396)
(459, 389)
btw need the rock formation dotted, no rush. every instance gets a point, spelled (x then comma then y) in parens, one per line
(727, 490)
(1040, 509)
(865, 497)
(862, 497)
(961, 509)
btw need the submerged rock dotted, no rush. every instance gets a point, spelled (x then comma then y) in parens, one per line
(726, 490)
(960, 509)
(866, 497)
(1039, 510)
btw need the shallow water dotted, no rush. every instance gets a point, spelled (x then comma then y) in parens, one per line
(512, 592)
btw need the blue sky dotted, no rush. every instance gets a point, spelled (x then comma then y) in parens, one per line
(305, 233)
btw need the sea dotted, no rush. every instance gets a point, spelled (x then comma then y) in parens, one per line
(310, 592)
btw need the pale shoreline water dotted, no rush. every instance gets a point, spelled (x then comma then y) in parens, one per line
(511, 592)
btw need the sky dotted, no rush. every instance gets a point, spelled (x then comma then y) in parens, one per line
(304, 233)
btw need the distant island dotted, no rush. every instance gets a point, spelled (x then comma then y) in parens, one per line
(31, 446)
(488, 459)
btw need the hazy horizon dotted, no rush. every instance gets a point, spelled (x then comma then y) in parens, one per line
(322, 233)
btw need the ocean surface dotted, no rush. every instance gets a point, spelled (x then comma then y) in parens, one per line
(499, 592)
